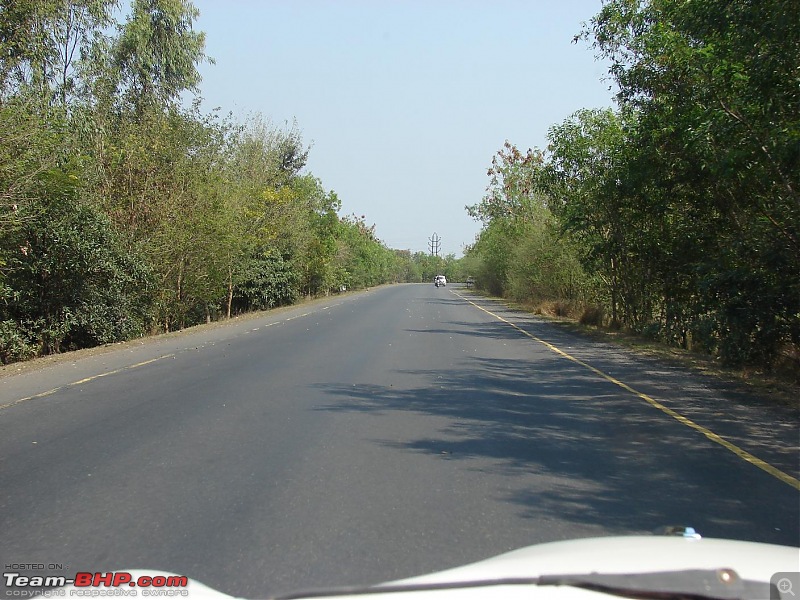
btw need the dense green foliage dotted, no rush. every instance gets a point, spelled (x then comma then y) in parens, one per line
(124, 213)
(681, 208)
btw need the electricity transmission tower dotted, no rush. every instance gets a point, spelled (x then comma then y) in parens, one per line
(435, 244)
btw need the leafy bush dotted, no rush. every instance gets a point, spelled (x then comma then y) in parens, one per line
(73, 283)
(270, 281)
(15, 343)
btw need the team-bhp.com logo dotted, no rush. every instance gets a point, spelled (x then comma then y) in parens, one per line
(112, 583)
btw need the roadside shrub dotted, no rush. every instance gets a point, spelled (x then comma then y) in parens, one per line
(15, 343)
(70, 281)
(652, 331)
(788, 362)
(592, 315)
(271, 281)
(562, 309)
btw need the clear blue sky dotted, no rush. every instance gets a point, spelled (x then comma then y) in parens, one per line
(404, 103)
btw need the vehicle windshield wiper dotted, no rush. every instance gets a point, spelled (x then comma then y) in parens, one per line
(720, 584)
(696, 584)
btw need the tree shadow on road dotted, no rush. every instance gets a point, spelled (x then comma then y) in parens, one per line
(495, 330)
(576, 448)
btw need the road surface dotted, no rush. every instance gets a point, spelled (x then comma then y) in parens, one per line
(370, 437)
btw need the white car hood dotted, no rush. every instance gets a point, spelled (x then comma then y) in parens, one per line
(612, 555)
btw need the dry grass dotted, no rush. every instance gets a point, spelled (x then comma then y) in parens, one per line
(781, 385)
(592, 315)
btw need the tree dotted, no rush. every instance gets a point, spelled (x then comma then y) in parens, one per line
(266, 204)
(156, 54)
(585, 178)
(67, 281)
(42, 41)
(714, 86)
(521, 251)
(362, 257)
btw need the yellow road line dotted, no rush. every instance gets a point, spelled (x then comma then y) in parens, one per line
(84, 380)
(741, 453)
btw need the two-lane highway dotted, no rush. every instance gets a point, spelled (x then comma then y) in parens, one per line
(375, 436)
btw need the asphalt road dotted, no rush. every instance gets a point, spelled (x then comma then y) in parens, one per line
(371, 437)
